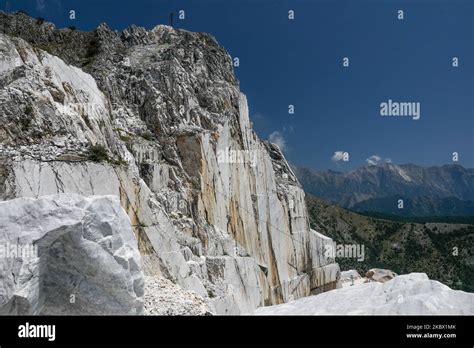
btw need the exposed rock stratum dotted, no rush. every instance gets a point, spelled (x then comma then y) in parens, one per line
(157, 118)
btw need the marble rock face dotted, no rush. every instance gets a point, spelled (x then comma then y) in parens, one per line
(214, 208)
(67, 254)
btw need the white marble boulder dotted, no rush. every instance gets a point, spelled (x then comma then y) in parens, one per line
(406, 294)
(68, 254)
(380, 275)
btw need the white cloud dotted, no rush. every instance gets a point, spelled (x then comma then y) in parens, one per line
(373, 160)
(338, 156)
(278, 139)
(40, 5)
(388, 160)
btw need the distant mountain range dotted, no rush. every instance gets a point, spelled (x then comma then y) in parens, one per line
(434, 191)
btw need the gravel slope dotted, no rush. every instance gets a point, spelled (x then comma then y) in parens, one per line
(162, 297)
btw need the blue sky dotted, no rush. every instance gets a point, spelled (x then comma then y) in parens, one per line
(299, 62)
